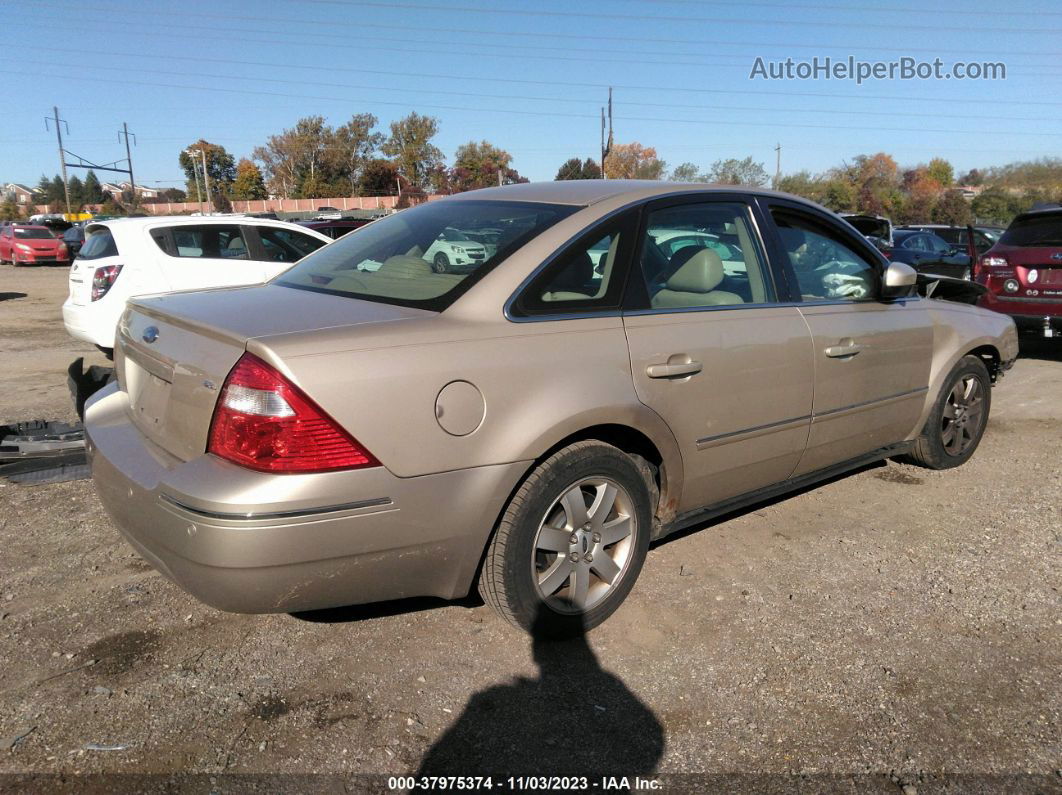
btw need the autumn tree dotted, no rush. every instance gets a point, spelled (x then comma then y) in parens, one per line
(411, 148)
(379, 177)
(952, 209)
(220, 168)
(941, 170)
(481, 165)
(574, 168)
(634, 161)
(248, 183)
(738, 172)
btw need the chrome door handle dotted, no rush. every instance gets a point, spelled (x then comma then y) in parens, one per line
(676, 370)
(841, 351)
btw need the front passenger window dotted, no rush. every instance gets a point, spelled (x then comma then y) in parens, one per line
(826, 268)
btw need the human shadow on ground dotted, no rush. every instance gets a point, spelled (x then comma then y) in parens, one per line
(574, 719)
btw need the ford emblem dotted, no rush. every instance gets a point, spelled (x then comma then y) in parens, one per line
(151, 333)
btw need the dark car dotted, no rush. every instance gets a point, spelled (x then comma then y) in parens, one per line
(928, 253)
(335, 228)
(1023, 272)
(74, 237)
(984, 236)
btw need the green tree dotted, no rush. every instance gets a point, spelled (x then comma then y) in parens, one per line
(57, 194)
(173, 195)
(412, 150)
(379, 177)
(77, 192)
(9, 210)
(220, 168)
(952, 209)
(574, 168)
(941, 170)
(839, 195)
(738, 172)
(248, 183)
(993, 205)
(91, 189)
(803, 184)
(481, 165)
(686, 172)
(353, 146)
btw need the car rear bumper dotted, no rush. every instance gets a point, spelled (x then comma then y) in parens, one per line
(77, 320)
(258, 543)
(1030, 313)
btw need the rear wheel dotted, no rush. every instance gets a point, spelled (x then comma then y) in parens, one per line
(958, 419)
(571, 542)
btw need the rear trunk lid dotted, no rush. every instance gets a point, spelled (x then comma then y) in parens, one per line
(174, 352)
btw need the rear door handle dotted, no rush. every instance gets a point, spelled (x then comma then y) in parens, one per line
(676, 370)
(841, 351)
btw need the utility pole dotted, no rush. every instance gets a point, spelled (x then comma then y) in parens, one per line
(606, 144)
(778, 166)
(195, 176)
(129, 158)
(206, 181)
(62, 154)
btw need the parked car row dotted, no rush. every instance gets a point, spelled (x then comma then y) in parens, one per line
(580, 380)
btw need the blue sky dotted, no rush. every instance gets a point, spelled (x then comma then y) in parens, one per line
(530, 77)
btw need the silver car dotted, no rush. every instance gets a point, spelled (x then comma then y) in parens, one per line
(343, 435)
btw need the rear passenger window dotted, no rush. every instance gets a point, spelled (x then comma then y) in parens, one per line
(286, 245)
(209, 242)
(701, 255)
(826, 267)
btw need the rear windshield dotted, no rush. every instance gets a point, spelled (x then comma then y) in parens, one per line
(1034, 230)
(423, 257)
(98, 244)
(33, 234)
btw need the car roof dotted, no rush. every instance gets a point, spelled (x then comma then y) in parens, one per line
(584, 192)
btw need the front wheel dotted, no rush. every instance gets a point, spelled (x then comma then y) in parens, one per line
(441, 264)
(958, 419)
(571, 542)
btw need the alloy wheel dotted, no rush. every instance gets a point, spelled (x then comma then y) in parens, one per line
(963, 410)
(584, 545)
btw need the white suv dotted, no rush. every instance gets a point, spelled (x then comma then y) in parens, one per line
(136, 256)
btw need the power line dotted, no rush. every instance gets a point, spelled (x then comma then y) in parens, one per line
(476, 94)
(539, 12)
(862, 10)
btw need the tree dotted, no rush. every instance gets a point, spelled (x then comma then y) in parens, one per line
(839, 195)
(173, 195)
(923, 194)
(480, 165)
(220, 168)
(91, 189)
(738, 172)
(57, 195)
(634, 161)
(77, 192)
(803, 184)
(993, 205)
(9, 210)
(952, 209)
(686, 172)
(973, 177)
(352, 147)
(248, 183)
(111, 207)
(412, 150)
(379, 177)
(574, 168)
(940, 170)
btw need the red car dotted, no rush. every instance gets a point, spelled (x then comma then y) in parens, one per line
(21, 244)
(1023, 272)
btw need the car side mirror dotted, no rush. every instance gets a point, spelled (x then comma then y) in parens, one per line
(900, 280)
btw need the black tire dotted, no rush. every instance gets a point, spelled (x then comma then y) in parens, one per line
(441, 263)
(931, 449)
(507, 580)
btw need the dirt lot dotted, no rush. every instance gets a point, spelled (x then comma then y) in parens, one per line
(896, 623)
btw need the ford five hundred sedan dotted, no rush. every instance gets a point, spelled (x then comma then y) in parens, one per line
(365, 427)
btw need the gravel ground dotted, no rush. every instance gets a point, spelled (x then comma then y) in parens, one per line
(895, 624)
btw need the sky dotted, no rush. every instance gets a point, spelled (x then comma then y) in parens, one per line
(530, 77)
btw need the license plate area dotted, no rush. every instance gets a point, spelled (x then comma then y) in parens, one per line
(148, 397)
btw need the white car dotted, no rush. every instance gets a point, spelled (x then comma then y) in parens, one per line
(127, 257)
(455, 252)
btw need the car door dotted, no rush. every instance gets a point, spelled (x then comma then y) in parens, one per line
(715, 353)
(871, 357)
(278, 248)
(197, 256)
(947, 259)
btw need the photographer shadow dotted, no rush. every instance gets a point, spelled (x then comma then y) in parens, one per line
(574, 719)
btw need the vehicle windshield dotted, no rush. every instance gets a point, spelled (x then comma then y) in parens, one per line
(1034, 230)
(408, 258)
(33, 233)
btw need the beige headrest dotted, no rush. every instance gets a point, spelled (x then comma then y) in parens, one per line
(701, 274)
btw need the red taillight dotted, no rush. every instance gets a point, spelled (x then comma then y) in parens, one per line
(264, 422)
(103, 279)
